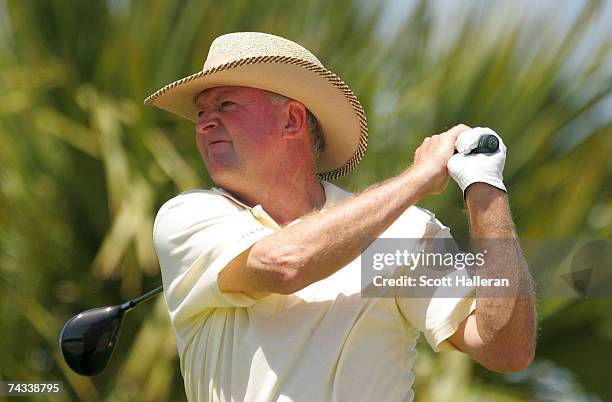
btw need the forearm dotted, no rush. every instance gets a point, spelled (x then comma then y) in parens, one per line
(323, 242)
(504, 318)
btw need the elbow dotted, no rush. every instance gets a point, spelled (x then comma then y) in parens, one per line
(291, 282)
(512, 361)
(522, 354)
(517, 364)
(289, 275)
(523, 360)
(283, 265)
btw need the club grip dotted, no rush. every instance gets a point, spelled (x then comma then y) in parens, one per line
(487, 144)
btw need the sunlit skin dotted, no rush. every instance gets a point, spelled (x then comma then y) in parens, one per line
(235, 132)
(259, 149)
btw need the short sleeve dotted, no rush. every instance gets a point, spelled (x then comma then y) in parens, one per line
(438, 317)
(196, 234)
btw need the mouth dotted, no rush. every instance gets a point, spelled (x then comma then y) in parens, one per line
(217, 142)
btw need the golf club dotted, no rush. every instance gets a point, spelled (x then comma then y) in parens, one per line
(487, 144)
(88, 339)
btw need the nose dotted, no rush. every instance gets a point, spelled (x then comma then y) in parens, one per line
(206, 121)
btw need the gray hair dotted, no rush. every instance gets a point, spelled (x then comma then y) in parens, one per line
(317, 140)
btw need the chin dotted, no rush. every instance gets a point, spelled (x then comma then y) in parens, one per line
(221, 170)
(224, 178)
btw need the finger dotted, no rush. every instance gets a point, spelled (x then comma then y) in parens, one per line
(454, 164)
(468, 140)
(425, 144)
(455, 131)
(444, 141)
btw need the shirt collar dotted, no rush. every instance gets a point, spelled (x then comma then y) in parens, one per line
(333, 195)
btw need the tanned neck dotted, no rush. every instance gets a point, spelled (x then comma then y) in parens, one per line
(285, 197)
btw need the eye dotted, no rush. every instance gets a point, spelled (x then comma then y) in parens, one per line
(200, 113)
(226, 104)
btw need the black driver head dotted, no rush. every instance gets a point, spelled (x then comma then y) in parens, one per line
(88, 339)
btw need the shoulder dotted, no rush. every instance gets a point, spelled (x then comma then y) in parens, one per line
(416, 222)
(432, 227)
(195, 204)
(334, 194)
(420, 214)
(210, 198)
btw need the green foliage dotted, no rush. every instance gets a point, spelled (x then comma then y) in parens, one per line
(84, 166)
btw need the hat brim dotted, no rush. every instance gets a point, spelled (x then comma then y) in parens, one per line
(331, 101)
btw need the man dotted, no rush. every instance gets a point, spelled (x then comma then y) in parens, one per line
(262, 275)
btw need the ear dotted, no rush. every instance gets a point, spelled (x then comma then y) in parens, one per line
(295, 118)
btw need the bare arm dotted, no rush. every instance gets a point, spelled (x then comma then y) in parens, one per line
(500, 333)
(322, 243)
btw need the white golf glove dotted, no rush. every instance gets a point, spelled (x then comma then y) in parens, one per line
(467, 168)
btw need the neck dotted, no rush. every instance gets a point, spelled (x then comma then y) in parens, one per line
(285, 201)
(285, 197)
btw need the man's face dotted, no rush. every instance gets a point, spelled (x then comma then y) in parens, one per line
(237, 133)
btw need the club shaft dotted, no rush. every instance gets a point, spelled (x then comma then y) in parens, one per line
(140, 299)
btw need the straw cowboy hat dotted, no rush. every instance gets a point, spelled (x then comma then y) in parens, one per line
(272, 63)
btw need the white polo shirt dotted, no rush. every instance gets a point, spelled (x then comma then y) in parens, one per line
(322, 343)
